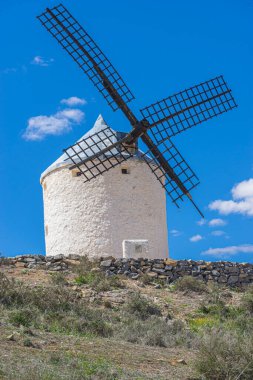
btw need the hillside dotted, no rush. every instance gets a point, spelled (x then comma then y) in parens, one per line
(68, 320)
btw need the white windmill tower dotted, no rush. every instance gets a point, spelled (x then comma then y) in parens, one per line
(94, 218)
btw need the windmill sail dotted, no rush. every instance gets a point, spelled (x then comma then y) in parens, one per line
(187, 108)
(180, 168)
(85, 52)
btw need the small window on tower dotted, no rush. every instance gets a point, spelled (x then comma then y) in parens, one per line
(125, 169)
(44, 186)
(46, 229)
(76, 173)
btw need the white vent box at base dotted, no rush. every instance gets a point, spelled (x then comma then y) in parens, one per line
(135, 249)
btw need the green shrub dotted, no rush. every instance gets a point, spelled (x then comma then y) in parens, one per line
(5, 260)
(87, 278)
(99, 369)
(58, 278)
(99, 281)
(221, 310)
(103, 283)
(247, 300)
(53, 298)
(15, 294)
(243, 323)
(22, 317)
(149, 332)
(60, 366)
(107, 304)
(154, 332)
(28, 343)
(214, 312)
(11, 291)
(85, 265)
(146, 279)
(190, 284)
(199, 323)
(80, 326)
(84, 322)
(52, 308)
(225, 355)
(214, 305)
(141, 307)
(100, 327)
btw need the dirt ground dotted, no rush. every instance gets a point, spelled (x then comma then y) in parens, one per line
(147, 362)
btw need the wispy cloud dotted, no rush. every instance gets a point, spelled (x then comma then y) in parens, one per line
(217, 222)
(14, 70)
(9, 70)
(40, 61)
(227, 252)
(74, 101)
(241, 202)
(37, 60)
(175, 233)
(196, 238)
(201, 222)
(217, 233)
(57, 124)
(72, 114)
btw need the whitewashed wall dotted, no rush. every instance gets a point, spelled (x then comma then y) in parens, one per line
(94, 218)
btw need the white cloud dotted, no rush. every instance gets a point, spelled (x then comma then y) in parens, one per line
(9, 70)
(37, 60)
(40, 61)
(72, 114)
(217, 233)
(61, 122)
(196, 238)
(74, 101)
(201, 222)
(217, 222)
(241, 202)
(14, 70)
(175, 233)
(243, 189)
(229, 251)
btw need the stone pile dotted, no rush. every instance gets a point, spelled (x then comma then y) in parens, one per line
(52, 263)
(223, 272)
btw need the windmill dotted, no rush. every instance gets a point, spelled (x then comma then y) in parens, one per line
(158, 124)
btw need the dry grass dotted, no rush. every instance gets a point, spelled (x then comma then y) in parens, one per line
(56, 318)
(190, 284)
(225, 355)
(140, 307)
(247, 300)
(59, 355)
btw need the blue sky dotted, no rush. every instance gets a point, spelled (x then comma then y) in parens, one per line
(159, 48)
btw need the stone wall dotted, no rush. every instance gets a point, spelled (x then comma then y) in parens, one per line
(222, 272)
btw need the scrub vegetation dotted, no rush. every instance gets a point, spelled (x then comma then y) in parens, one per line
(80, 324)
